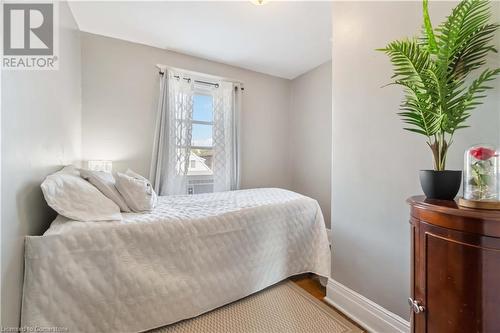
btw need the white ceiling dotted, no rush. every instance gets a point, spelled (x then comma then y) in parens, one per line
(283, 39)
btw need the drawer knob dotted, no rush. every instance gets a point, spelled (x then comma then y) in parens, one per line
(415, 306)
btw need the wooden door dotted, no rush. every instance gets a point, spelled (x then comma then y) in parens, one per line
(418, 279)
(460, 281)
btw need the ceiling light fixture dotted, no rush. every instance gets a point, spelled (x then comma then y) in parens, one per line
(259, 2)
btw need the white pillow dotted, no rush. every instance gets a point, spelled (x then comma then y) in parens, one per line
(135, 175)
(71, 170)
(136, 190)
(77, 199)
(105, 183)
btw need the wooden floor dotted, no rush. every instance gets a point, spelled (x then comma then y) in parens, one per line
(311, 284)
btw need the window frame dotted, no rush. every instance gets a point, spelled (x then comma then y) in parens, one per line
(204, 92)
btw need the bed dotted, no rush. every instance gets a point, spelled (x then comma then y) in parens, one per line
(190, 255)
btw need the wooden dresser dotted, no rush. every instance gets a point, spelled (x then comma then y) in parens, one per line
(455, 268)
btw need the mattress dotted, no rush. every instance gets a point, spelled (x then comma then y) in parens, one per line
(191, 254)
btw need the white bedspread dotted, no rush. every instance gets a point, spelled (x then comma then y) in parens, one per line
(190, 255)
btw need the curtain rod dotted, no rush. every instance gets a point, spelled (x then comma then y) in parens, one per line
(216, 85)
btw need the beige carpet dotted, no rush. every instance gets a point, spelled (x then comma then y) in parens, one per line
(282, 308)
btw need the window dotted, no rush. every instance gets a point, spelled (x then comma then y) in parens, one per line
(200, 171)
(196, 143)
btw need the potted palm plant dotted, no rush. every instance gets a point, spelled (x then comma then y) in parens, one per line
(435, 71)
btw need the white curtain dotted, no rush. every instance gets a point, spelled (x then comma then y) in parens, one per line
(171, 147)
(226, 137)
(158, 161)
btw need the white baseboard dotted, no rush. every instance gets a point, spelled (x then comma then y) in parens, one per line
(365, 312)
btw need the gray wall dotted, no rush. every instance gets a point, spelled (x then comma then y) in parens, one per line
(120, 89)
(41, 131)
(311, 135)
(376, 163)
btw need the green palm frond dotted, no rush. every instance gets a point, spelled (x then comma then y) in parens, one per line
(409, 60)
(473, 51)
(429, 38)
(412, 64)
(434, 71)
(463, 40)
(463, 104)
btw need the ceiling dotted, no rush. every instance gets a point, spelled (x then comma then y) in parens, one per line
(284, 39)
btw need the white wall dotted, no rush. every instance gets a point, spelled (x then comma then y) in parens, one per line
(311, 135)
(120, 88)
(375, 162)
(41, 131)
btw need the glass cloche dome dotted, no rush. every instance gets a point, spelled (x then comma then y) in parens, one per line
(481, 173)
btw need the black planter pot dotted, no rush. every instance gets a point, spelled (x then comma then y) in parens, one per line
(441, 185)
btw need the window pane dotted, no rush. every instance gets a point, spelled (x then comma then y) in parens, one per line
(201, 162)
(202, 135)
(203, 107)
